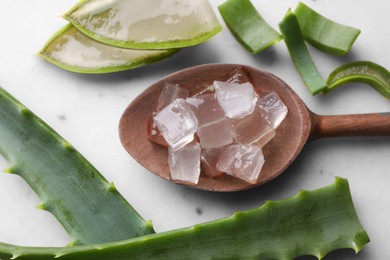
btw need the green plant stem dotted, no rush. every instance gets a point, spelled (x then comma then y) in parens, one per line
(300, 55)
(310, 223)
(247, 25)
(324, 34)
(90, 208)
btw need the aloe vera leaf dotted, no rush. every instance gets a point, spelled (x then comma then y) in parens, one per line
(90, 208)
(361, 71)
(310, 223)
(71, 50)
(139, 24)
(300, 55)
(324, 34)
(248, 26)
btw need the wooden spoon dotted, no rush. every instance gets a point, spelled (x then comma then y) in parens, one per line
(299, 126)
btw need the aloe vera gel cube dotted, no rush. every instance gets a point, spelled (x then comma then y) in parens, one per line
(241, 161)
(252, 129)
(272, 109)
(177, 123)
(207, 109)
(238, 100)
(209, 159)
(170, 93)
(216, 134)
(184, 163)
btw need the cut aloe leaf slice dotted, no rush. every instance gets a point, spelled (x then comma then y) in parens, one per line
(324, 34)
(72, 50)
(300, 55)
(367, 72)
(140, 24)
(248, 26)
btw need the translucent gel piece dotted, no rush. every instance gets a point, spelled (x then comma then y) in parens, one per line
(201, 89)
(177, 123)
(207, 109)
(169, 93)
(239, 75)
(154, 135)
(215, 135)
(241, 161)
(252, 129)
(209, 160)
(184, 163)
(272, 109)
(238, 100)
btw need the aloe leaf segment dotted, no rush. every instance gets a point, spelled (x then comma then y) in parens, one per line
(90, 208)
(300, 55)
(71, 50)
(140, 24)
(310, 223)
(248, 26)
(323, 33)
(362, 72)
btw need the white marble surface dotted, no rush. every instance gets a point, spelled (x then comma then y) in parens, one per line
(85, 109)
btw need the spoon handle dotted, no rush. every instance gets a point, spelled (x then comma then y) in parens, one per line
(376, 124)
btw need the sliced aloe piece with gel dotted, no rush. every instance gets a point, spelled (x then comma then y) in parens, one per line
(71, 50)
(367, 72)
(141, 24)
(248, 26)
(324, 34)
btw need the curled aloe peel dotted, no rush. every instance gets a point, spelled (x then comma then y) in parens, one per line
(310, 223)
(367, 72)
(90, 208)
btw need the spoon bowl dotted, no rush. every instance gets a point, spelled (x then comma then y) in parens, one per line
(299, 126)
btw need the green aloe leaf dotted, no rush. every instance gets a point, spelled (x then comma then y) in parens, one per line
(71, 50)
(367, 72)
(290, 29)
(139, 24)
(310, 223)
(90, 208)
(248, 26)
(324, 34)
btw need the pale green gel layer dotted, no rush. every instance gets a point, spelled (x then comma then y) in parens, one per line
(90, 208)
(140, 24)
(310, 223)
(71, 50)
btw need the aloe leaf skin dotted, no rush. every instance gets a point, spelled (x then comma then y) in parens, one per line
(248, 26)
(367, 72)
(300, 55)
(71, 50)
(139, 24)
(324, 34)
(90, 208)
(310, 223)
